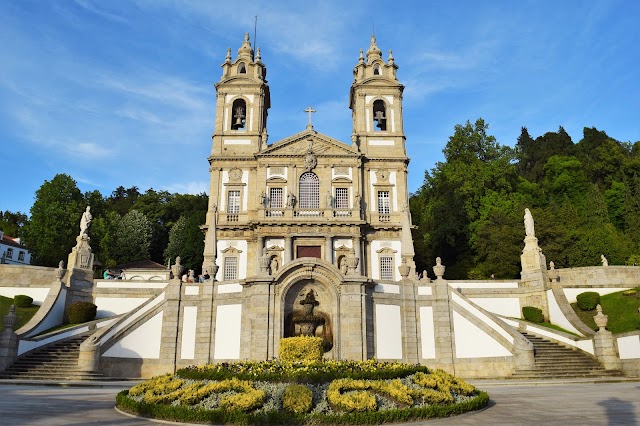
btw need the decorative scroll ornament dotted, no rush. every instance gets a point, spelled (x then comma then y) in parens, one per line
(310, 161)
(235, 175)
(383, 175)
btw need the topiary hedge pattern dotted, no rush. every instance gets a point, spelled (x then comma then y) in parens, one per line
(533, 314)
(22, 301)
(79, 312)
(410, 395)
(301, 348)
(588, 300)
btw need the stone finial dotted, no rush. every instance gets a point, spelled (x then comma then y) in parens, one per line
(361, 58)
(258, 57)
(228, 58)
(404, 268)
(601, 319)
(245, 50)
(390, 60)
(374, 51)
(10, 319)
(60, 270)
(177, 269)
(439, 268)
(352, 262)
(264, 262)
(553, 272)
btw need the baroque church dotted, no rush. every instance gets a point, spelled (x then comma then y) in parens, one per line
(310, 226)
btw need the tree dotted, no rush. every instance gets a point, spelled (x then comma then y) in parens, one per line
(132, 238)
(50, 233)
(12, 224)
(187, 241)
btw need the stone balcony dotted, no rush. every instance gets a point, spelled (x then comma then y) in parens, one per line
(320, 215)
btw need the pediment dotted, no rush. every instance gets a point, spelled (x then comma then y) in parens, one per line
(298, 146)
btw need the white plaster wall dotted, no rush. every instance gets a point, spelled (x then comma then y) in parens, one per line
(629, 347)
(110, 306)
(387, 288)
(507, 306)
(225, 179)
(571, 293)
(191, 290)
(228, 329)
(132, 318)
(143, 342)
(427, 333)
(27, 345)
(245, 193)
(270, 242)
(242, 257)
(130, 284)
(482, 285)
(373, 179)
(472, 342)
(229, 288)
(425, 291)
(557, 317)
(374, 261)
(335, 175)
(394, 191)
(337, 243)
(388, 332)
(37, 294)
(284, 175)
(54, 317)
(482, 317)
(189, 326)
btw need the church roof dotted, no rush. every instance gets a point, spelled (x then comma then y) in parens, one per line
(299, 145)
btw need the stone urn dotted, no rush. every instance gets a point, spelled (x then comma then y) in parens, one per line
(264, 261)
(600, 318)
(404, 268)
(439, 268)
(177, 269)
(352, 263)
(60, 271)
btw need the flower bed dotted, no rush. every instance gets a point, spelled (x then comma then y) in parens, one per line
(326, 392)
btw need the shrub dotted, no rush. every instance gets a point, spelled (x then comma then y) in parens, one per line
(22, 301)
(588, 300)
(297, 399)
(300, 348)
(79, 312)
(533, 314)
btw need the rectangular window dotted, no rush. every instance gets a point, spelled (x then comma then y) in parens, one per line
(230, 268)
(275, 198)
(386, 268)
(233, 202)
(342, 198)
(9, 253)
(384, 206)
(21, 256)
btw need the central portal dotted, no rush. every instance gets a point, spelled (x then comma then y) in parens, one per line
(309, 309)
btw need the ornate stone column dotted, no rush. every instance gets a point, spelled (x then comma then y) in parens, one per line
(604, 343)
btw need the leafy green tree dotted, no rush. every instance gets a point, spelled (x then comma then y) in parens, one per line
(187, 241)
(132, 238)
(533, 155)
(12, 223)
(55, 216)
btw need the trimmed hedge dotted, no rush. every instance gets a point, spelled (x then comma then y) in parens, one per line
(79, 312)
(22, 301)
(533, 314)
(301, 348)
(588, 300)
(297, 399)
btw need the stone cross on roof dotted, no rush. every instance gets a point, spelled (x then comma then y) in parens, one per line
(310, 111)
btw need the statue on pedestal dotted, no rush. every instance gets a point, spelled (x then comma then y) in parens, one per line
(528, 224)
(85, 221)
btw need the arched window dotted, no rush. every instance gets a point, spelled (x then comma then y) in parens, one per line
(239, 114)
(309, 191)
(242, 69)
(380, 115)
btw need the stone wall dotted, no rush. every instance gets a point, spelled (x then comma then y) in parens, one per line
(600, 276)
(26, 276)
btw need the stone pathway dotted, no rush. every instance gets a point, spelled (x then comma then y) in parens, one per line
(519, 403)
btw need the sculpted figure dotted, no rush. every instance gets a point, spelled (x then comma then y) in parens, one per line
(528, 224)
(604, 260)
(85, 221)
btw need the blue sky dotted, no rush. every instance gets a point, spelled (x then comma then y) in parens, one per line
(121, 92)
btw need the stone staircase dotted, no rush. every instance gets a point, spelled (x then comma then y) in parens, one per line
(554, 361)
(57, 361)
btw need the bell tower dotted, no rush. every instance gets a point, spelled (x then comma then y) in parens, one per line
(242, 103)
(376, 104)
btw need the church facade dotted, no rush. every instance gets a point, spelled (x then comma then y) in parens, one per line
(310, 218)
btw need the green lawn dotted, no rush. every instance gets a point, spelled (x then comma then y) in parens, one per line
(621, 309)
(23, 314)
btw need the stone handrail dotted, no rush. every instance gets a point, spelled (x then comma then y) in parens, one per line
(49, 315)
(583, 343)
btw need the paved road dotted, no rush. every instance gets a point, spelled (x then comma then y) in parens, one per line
(532, 404)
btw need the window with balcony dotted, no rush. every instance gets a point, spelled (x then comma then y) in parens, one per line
(233, 202)
(384, 204)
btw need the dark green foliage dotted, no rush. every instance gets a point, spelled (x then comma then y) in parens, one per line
(12, 224)
(588, 300)
(79, 312)
(533, 314)
(622, 309)
(55, 217)
(186, 240)
(22, 301)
